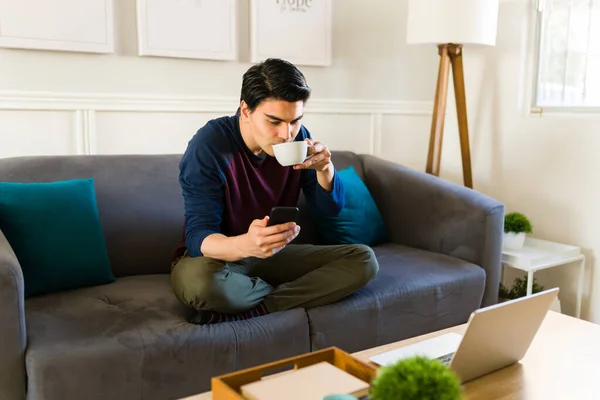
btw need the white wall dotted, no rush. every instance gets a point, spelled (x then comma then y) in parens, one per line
(371, 100)
(371, 61)
(545, 166)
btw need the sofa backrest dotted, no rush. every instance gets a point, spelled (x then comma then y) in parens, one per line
(139, 202)
(138, 197)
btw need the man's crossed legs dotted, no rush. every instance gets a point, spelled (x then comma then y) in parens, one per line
(298, 276)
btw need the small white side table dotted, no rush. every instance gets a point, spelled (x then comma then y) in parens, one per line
(537, 254)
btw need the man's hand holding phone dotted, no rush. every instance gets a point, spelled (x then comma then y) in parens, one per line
(264, 241)
(265, 237)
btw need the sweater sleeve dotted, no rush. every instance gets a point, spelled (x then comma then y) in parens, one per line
(202, 184)
(328, 203)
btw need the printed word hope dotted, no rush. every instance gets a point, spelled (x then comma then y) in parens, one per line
(294, 5)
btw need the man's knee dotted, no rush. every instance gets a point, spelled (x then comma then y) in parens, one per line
(195, 282)
(366, 263)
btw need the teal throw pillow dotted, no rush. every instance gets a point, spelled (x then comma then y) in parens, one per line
(359, 222)
(55, 232)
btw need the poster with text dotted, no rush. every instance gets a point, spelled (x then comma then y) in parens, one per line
(298, 31)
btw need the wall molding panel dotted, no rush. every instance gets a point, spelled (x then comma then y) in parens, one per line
(94, 113)
(18, 100)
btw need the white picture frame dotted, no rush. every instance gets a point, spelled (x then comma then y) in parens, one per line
(299, 31)
(79, 26)
(197, 29)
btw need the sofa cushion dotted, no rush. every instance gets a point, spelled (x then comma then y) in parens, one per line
(310, 232)
(415, 292)
(55, 232)
(359, 222)
(139, 202)
(131, 340)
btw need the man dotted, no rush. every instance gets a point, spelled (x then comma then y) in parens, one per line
(234, 266)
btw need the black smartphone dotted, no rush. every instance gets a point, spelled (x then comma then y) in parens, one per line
(282, 215)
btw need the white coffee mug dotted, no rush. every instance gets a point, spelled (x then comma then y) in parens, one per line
(291, 153)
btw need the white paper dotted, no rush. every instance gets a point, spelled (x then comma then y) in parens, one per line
(432, 348)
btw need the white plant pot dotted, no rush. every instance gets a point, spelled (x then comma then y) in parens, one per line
(513, 241)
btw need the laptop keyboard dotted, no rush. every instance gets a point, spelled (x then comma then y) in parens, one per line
(445, 359)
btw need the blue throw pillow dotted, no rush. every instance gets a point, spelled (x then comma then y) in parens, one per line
(359, 222)
(55, 232)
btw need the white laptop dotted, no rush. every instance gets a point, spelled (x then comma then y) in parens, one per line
(496, 337)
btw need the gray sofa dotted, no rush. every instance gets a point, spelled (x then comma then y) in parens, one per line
(131, 339)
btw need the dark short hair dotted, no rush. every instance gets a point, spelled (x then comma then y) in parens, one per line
(276, 79)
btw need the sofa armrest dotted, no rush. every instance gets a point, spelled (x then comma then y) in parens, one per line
(13, 338)
(426, 212)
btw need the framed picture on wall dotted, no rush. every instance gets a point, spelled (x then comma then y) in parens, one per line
(201, 29)
(299, 31)
(61, 25)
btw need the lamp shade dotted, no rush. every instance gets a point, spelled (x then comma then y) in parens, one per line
(452, 21)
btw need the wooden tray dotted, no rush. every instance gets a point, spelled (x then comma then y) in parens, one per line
(227, 387)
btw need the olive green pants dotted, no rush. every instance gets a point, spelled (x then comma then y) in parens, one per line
(297, 276)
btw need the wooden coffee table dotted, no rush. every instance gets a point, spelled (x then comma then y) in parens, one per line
(563, 362)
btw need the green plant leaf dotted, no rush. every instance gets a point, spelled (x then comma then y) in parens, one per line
(416, 378)
(517, 223)
(519, 289)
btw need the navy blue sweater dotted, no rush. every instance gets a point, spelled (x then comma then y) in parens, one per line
(225, 186)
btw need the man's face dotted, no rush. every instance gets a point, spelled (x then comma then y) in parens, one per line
(272, 122)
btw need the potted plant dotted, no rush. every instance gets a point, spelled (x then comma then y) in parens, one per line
(516, 225)
(413, 378)
(519, 289)
(416, 378)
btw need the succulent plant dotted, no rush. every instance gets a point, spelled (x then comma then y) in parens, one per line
(416, 378)
(516, 222)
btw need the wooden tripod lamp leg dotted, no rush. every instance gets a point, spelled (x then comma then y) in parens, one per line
(439, 110)
(455, 52)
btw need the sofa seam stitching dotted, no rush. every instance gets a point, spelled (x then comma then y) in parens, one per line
(494, 210)
(143, 362)
(235, 359)
(20, 309)
(310, 342)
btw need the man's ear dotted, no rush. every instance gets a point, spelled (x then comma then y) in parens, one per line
(245, 111)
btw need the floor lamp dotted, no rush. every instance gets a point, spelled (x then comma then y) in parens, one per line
(450, 25)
